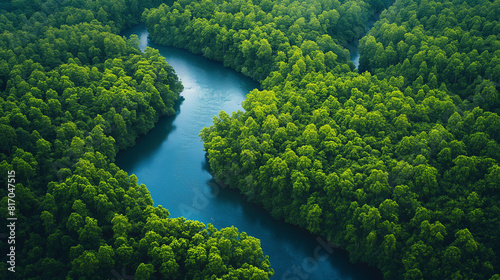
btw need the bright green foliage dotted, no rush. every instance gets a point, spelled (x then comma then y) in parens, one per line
(400, 167)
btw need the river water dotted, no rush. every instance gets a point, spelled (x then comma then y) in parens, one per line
(171, 162)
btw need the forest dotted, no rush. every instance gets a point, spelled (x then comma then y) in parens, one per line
(397, 161)
(72, 94)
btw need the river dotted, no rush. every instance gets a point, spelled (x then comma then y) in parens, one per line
(171, 162)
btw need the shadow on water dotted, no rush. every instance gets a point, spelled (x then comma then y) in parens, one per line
(153, 139)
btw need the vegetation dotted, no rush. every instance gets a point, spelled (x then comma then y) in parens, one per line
(433, 42)
(401, 165)
(251, 37)
(398, 164)
(72, 94)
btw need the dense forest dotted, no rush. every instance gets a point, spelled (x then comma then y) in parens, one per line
(399, 163)
(72, 94)
(440, 42)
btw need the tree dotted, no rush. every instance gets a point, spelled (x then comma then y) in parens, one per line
(85, 265)
(314, 218)
(121, 225)
(25, 164)
(105, 257)
(426, 179)
(90, 234)
(264, 51)
(7, 137)
(75, 222)
(215, 264)
(48, 221)
(465, 241)
(144, 271)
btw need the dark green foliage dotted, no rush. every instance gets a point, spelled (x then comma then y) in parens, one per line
(72, 94)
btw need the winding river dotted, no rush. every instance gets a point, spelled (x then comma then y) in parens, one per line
(171, 162)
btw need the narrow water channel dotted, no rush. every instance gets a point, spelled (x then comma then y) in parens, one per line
(352, 47)
(171, 162)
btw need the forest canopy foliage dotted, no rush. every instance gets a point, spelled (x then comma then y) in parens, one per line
(399, 165)
(440, 42)
(72, 94)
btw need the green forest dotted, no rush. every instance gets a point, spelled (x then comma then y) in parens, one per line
(397, 161)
